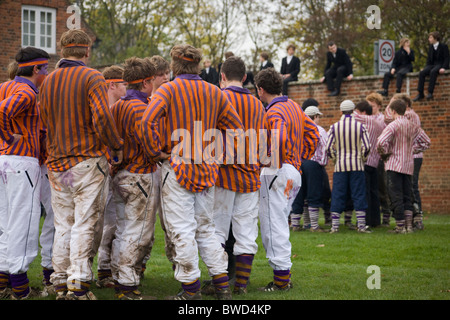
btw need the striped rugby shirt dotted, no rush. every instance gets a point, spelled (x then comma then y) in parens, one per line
(75, 111)
(402, 138)
(127, 113)
(374, 128)
(320, 156)
(299, 135)
(196, 106)
(411, 115)
(244, 178)
(19, 114)
(348, 144)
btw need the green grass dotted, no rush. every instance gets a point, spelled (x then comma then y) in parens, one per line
(327, 266)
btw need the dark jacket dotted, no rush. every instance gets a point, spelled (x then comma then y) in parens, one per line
(268, 65)
(293, 68)
(402, 59)
(440, 57)
(212, 76)
(341, 59)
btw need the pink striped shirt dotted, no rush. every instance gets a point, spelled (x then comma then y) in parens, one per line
(374, 128)
(401, 138)
(412, 116)
(320, 156)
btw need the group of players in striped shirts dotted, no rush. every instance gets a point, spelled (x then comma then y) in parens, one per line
(104, 153)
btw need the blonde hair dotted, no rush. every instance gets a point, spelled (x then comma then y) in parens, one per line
(13, 66)
(113, 72)
(74, 37)
(375, 97)
(403, 41)
(185, 59)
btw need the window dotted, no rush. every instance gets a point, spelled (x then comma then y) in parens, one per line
(39, 28)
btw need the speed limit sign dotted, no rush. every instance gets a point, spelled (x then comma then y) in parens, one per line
(386, 52)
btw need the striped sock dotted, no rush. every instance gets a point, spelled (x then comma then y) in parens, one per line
(306, 219)
(20, 284)
(409, 219)
(295, 219)
(400, 223)
(386, 217)
(243, 269)
(335, 220)
(191, 288)
(79, 288)
(126, 289)
(348, 216)
(4, 280)
(281, 278)
(220, 281)
(47, 273)
(361, 219)
(104, 273)
(314, 217)
(61, 287)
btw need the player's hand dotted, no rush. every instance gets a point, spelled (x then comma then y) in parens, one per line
(162, 156)
(322, 79)
(441, 70)
(117, 156)
(350, 77)
(392, 70)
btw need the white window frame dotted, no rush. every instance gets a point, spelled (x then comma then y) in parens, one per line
(38, 33)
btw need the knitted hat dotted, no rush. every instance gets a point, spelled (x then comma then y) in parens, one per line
(347, 105)
(312, 111)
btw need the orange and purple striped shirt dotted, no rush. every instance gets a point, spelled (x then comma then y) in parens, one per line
(191, 107)
(298, 134)
(127, 113)
(244, 177)
(75, 111)
(19, 114)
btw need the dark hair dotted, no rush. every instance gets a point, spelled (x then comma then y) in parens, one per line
(398, 106)
(161, 65)
(364, 106)
(264, 55)
(228, 54)
(309, 102)
(137, 69)
(270, 80)
(330, 43)
(436, 35)
(290, 46)
(27, 54)
(233, 68)
(405, 97)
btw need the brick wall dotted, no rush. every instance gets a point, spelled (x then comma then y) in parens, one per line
(434, 181)
(11, 26)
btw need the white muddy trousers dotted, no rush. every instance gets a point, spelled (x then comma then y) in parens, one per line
(20, 212)
(278, 191)
(241, 211)
(137, 199)
(109, 230)
(48, 227)
(188, 219)
(78, 200)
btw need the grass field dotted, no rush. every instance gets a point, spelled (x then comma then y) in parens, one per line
(327, 266)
